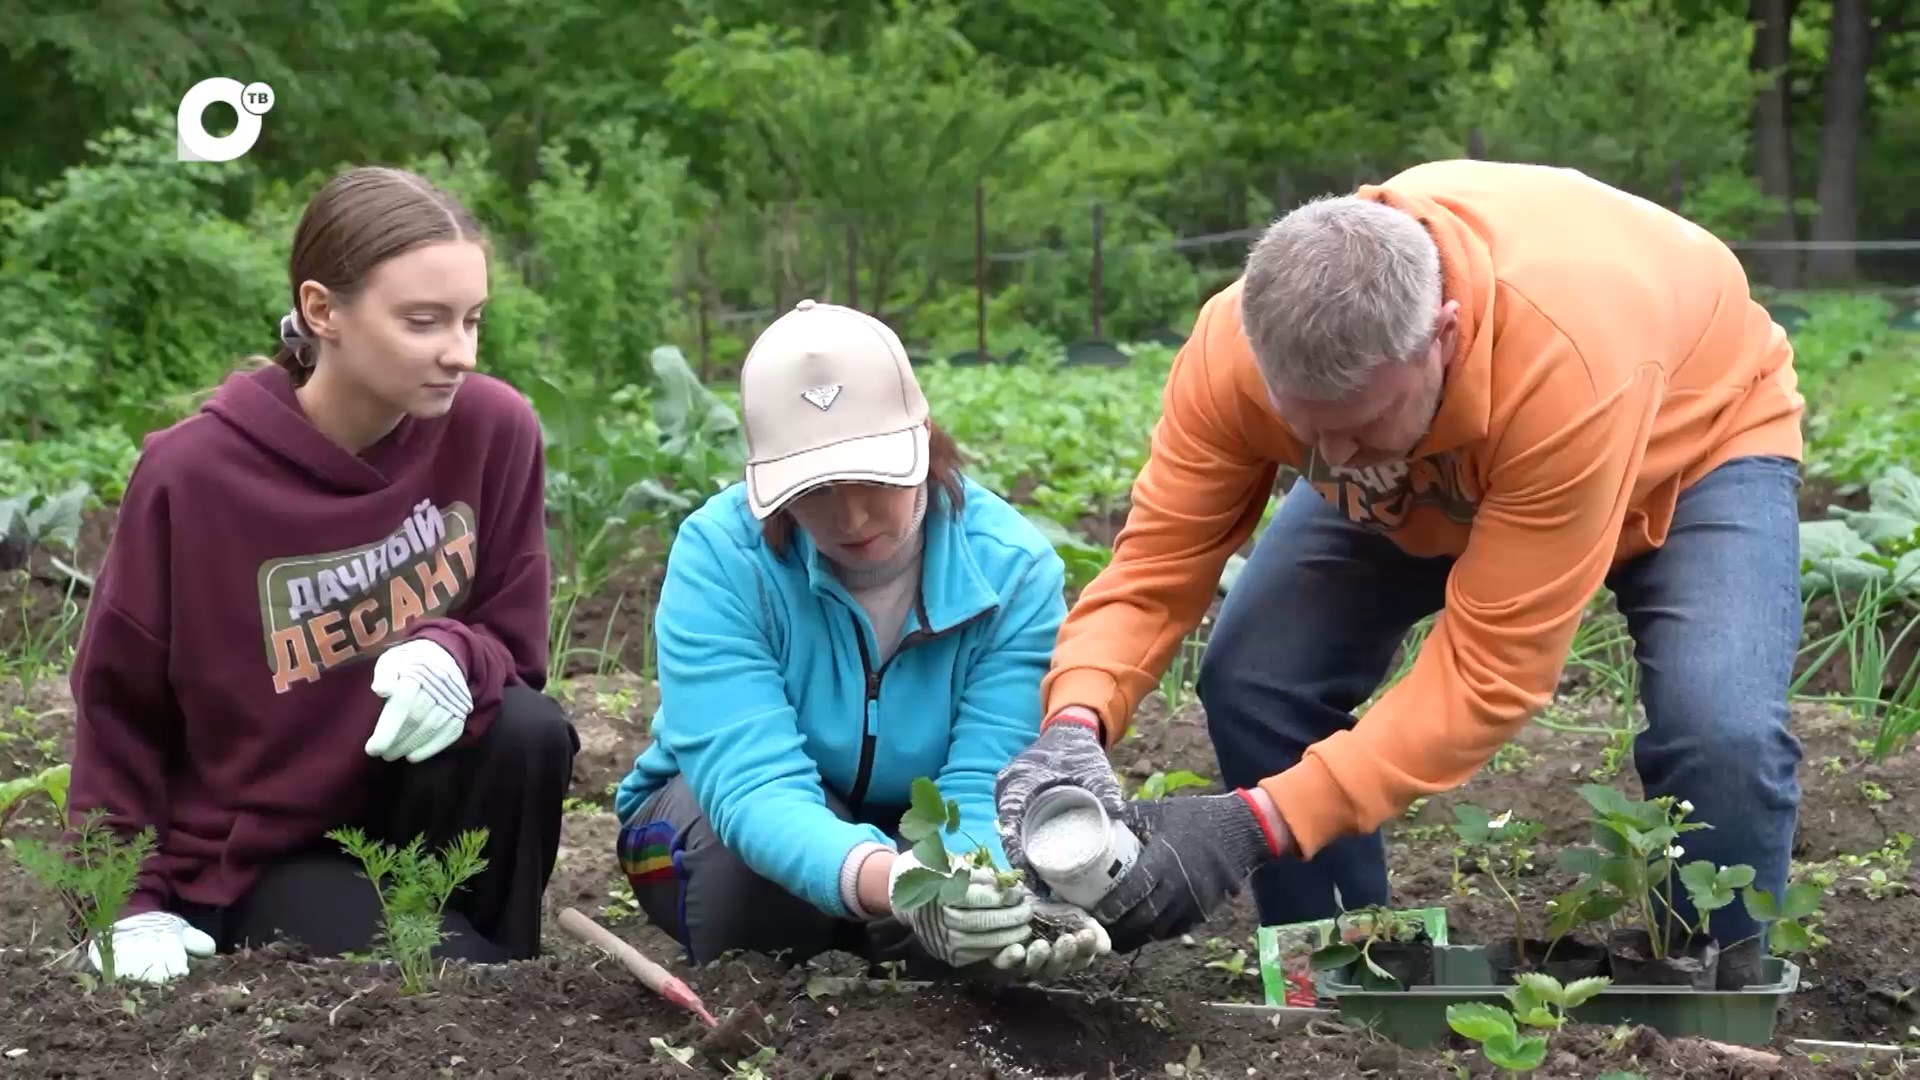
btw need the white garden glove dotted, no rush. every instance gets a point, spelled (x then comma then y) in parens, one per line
(427, 702)
(152, 947)
(991, 923)
(1066, 940)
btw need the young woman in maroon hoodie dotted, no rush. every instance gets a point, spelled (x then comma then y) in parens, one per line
(325, 604)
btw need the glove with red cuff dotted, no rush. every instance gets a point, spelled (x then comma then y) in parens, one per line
(1196, 851)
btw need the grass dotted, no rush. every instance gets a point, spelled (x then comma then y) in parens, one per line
(1871, 653)
(40, 647)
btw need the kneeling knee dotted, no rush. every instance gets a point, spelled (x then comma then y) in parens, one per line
(1727, 737)
(533, 727)
(1223, 675)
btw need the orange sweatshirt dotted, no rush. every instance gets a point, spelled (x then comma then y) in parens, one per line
(1610, 355)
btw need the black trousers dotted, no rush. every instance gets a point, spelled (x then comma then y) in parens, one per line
(511, 783)
(713, 903)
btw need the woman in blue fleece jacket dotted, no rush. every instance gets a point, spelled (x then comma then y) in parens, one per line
(854, 615)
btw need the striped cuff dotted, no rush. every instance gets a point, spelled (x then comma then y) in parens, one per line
(850, 880)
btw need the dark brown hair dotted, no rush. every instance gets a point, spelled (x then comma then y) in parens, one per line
(360, 219)
(944, 462)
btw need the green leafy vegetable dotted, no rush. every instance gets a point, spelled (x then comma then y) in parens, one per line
(929, 817)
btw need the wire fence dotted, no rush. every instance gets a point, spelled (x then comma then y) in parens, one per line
(827, 255)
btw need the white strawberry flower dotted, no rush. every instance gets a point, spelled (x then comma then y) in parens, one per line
(1686, 807)
(1501, 821)
(1676, 851)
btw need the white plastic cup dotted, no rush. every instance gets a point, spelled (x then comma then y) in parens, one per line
(1084, 880)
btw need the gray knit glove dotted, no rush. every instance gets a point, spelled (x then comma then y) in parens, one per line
(1065, 753)
(1195, 852)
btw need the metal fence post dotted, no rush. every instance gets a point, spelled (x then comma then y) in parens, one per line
(980, 266)
(1093, 273)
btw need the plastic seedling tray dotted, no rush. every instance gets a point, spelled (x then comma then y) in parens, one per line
(1294, 941)
(1418, 1016)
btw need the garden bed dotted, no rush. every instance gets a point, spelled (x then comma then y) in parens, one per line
(574, 1014)
(271, 1015)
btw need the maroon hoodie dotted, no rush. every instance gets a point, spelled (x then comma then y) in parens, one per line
(256, 569)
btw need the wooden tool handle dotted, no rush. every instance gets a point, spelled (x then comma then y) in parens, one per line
(651, 975)
(592, 933)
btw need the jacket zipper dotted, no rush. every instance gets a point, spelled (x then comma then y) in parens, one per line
(869, 738)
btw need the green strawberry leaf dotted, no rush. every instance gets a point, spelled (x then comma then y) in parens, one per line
(1538, 1017)
(1517, 1054)
(1760, 905)
(931, 853)
(916, 888)
(1802, 900)
(955, 889)
(1335, 956)
(1580, 991)
(1480, 1021)
(927, 814)
(1472, 824)
(1789, 937)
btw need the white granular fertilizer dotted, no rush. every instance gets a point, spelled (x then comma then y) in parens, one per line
(1068, 839)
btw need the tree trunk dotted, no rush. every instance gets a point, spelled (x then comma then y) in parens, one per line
(1773, 134)
(1849, 53)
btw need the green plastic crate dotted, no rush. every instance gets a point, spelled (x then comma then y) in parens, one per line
(1319, 932)
(1418, 1016)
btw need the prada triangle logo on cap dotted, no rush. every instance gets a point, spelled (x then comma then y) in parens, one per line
(822, 396)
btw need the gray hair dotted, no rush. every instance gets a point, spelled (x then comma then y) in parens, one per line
(1336, 289)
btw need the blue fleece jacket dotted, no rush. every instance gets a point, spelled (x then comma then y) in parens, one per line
(770, 683)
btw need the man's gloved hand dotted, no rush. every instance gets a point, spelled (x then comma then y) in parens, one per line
(427, 702)
(1195, 852)
(152, 947)
(1065, 753)
(1066, 940)
(989, 923)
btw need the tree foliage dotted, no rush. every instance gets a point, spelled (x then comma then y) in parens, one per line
(648, 168)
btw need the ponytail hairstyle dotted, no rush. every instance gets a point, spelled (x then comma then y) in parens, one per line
(360, 219)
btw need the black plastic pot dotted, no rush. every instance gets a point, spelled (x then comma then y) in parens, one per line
(1573, 957)
(1410, 962)
(1695, 964)
(1741, 965)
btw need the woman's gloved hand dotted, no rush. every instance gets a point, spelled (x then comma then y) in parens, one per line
(991, 922)
(427, 702)
(152, 947)
(1066, 941)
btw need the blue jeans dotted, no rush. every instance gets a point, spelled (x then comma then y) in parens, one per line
(1309, 629)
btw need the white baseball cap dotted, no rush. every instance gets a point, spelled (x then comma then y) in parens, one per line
(828, 396)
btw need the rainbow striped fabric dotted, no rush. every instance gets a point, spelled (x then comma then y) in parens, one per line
(646, 852)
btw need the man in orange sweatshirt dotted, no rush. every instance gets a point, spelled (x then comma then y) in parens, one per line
(1504, 386)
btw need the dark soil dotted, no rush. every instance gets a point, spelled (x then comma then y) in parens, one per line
(278, 1013)
(576, 1014)
(612, 629)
